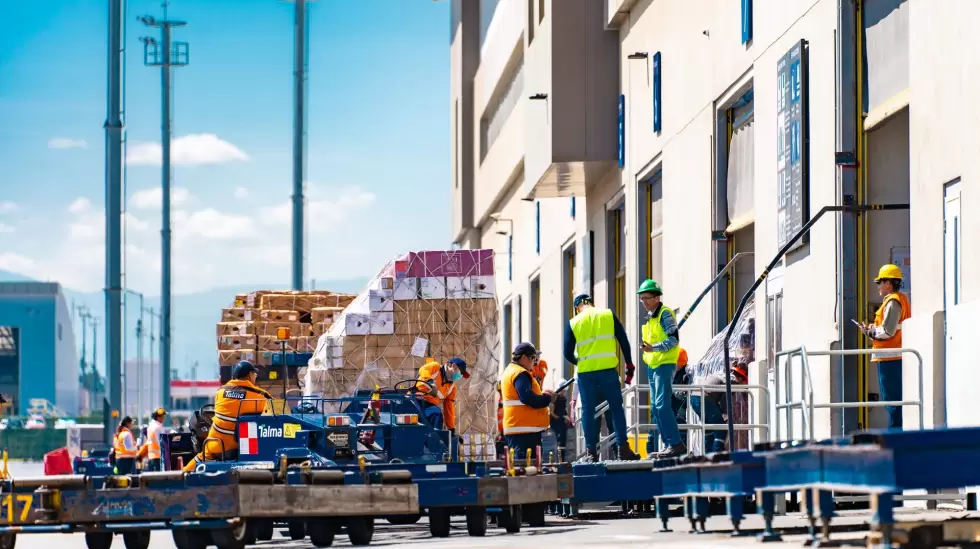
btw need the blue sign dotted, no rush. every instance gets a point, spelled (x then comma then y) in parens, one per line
(792, 145)
(656, 92)
(622, 131)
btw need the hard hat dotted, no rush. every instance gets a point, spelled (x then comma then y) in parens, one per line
(582, 299)
(889, 272)
(159, 412)
(650, 287)
(243, 369)
(682, 358)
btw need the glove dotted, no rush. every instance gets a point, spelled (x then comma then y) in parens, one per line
(629, 373)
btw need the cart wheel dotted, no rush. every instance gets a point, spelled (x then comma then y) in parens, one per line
(360, 530)
(322, 531)
(191, 538)
(476, 521)
(401, 520)
(533, 514)
(510, 519)
(439, 519)
(264, 530)
(140, 539)
(235, 537)
(98, 540)
(297, 530)
(251, 534)
(8, 540)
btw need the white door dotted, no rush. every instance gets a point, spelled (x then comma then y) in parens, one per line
(959, 377)
(952, 245)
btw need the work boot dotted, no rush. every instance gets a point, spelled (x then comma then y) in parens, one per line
(591, 456)
(674, 451)
(627, 454)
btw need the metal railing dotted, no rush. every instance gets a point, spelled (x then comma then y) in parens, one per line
(639, 410)
(806, 404)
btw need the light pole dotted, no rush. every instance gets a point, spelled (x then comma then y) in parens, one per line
(154, 375)
(139, 364)
(165, 55)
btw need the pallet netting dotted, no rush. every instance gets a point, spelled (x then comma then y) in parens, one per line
(421, 306)
(741, 348)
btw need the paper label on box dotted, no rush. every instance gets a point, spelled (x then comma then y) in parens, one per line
(419, 347)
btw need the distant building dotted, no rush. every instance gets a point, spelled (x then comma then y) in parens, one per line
(142, 387)
(38, 359)
(189, 395)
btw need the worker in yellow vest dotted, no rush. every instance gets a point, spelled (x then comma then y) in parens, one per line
(151, 448)
(661, 349)
(124, 448)
(525, 404)
(590, 345)
(886, 333)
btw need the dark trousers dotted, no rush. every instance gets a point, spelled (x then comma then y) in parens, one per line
(714, 441)
(561, 435)
(890, 382)
(153, 465)
(521, 443)
(125, 466)
(433, 414)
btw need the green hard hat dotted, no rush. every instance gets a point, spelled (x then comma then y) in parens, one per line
(650, 287)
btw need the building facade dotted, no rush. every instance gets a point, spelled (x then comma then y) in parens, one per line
(800, 143)
(38, 359)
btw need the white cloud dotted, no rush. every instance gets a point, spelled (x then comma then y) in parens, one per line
(188, 150)
(6, 229)
(153, 198)
(18, 264)
(322, 214)
(67, 143)
(81, 204)
(241, 192)
(7, 206)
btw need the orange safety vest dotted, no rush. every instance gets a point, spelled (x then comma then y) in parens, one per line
(540, 371)
(443, 394)
(518, 417)
(894, 342)
(500, 419)
(152, 444)
(120, 446)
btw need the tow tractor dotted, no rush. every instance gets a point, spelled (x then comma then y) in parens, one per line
(374, 433)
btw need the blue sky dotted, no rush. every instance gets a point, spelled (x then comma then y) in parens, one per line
(378, 147)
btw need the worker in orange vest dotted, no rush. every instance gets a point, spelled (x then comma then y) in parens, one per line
(239, 396)
(526, 405)
(124, 448)
(437, 383)
(151, 448)
(886, 333)
(500, 423)
(540, 369)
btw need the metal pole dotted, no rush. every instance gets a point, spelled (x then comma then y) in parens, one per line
(299, 145)
(165, 231)
(139, 365)
(153, 375)
(113, 209)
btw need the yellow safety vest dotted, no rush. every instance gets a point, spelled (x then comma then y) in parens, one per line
(595, 340)
(653, 333)
(519, 417)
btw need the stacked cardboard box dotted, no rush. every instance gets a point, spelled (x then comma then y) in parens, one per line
(421, 306)
(247, 330)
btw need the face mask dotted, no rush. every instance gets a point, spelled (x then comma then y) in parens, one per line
(456, 376)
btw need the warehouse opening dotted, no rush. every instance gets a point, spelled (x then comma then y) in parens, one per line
(884, 237)
(734, 233)
(568, 293)
(616, 260)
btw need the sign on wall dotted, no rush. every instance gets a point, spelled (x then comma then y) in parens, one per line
(621, 129)
(792, 145)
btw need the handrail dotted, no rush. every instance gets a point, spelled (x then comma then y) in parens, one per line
(707, 289)
(772, 264)
(807, 404)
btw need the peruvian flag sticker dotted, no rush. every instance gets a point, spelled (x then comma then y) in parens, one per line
(248, 439)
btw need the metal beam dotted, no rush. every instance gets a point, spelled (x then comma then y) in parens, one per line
(299, 139)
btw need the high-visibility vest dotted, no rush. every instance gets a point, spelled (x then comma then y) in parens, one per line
(540, 371)
(595, 340)
(519, 417)
(894, 342)
(443, 390)
(125, 445)
(238, 396)
(653, 333)
(153, 439)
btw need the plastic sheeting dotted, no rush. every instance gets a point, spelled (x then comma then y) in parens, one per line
(421, 305)
(741, 351)
(741, 176)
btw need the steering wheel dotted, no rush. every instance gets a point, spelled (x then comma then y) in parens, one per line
(207, 411)
(413, 388)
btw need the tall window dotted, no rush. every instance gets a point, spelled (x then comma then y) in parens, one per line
(519, 314)
(530, 21)
(655, 223)
(540, 10)
(508, 330)
(536, 311)
(617, 241)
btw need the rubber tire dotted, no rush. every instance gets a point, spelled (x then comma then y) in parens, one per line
(98, 540)
(235, 537)
(533, 514)
(251, 536)
(439, 522)
(8, 540)
(139, 539)
(403, 520)
(510, 519)
(476, 521)
(297, 530)
(191, 538)
(264, 530)
(322, 531)
(360, 530)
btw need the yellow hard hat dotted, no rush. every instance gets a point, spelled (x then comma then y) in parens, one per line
(889, 272)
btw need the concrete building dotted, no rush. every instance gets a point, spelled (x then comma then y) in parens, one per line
(598, 143)
(38, 359)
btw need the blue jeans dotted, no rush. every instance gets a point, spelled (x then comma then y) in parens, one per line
(661, 379)
(520, 444)
(594, 388)
(714, 441)
(890, 382)
(433, 414)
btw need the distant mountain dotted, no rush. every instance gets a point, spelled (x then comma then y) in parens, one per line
(193, 321)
